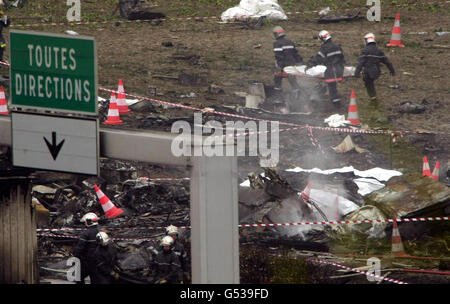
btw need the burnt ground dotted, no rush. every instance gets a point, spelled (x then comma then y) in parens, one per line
(233, 55)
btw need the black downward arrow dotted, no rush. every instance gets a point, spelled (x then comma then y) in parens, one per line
(54, 148)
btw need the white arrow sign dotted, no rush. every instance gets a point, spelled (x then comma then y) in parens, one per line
(55, 143)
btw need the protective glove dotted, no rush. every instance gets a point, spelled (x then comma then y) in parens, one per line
(309, 65)
(187, 276)
(115, 275)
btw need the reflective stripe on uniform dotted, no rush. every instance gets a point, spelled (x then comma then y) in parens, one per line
(321, 54)
(288, 47)
(334, 53)
(373, 56)
(277, 49)
(3, 45)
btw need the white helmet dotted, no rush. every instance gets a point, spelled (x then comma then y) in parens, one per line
(369, 38)
(324, 35)
(171, 230)
(102, 238)
(90, 219)
(278, 32)
(167, 241)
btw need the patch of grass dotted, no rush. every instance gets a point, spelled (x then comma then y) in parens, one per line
(258, 267)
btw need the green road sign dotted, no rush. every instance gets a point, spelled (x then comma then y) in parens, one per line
(53, 71)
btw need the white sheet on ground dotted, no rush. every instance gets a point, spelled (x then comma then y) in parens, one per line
(336, 121)
(326, 202)
(255, 9)
(367, 185)
(128, 101)
(378, 173)
(316, 71)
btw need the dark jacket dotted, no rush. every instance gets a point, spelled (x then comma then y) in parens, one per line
(369, 62)
(330, 55)
(167, 267)
(84, 250)
(286, 54)
(2, 25)
(105, 258)
(179, 251)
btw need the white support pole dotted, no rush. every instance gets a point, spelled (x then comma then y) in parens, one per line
(214, 220)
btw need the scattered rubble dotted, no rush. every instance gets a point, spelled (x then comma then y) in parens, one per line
(347, 145)
(410, 107)
(138, 10)
(325, 18)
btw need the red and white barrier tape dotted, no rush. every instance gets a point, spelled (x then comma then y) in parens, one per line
(77, 237)
(359, 271)
(163, 178)
(405, 220)
(314, 140)
(343, 130)
(144, 20)
(170, 19)
(339, 130)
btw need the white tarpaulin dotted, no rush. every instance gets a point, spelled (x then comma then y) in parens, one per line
(128, 101)
(316, 71)
(326, 202)
(367, 185)
(255, 9)
(377, 173)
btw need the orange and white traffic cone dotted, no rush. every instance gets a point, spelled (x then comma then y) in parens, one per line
(121, 102)
(3, 105)
(435, 174)
(396, 38)
(397, 245)
(113, 112)
(109, 208)
(426, 167)
(353, 110)
(306, 192)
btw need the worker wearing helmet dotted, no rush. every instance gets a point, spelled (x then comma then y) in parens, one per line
(166, 264)
(4, 22)
(178, 249)
(286, 54)
(87, 243)
(106, 267)
(332, 56)
(369, 63)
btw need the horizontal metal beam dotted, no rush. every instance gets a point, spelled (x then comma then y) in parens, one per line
(145, 146)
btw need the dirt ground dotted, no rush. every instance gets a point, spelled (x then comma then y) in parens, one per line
(231, 55)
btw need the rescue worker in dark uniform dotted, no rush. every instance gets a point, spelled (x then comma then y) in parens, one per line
(84, 250)
(178, 249)
(167, 265)
(4, 22)
(286, 54)
(369, 63)
(332, 56)
(105, 256)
